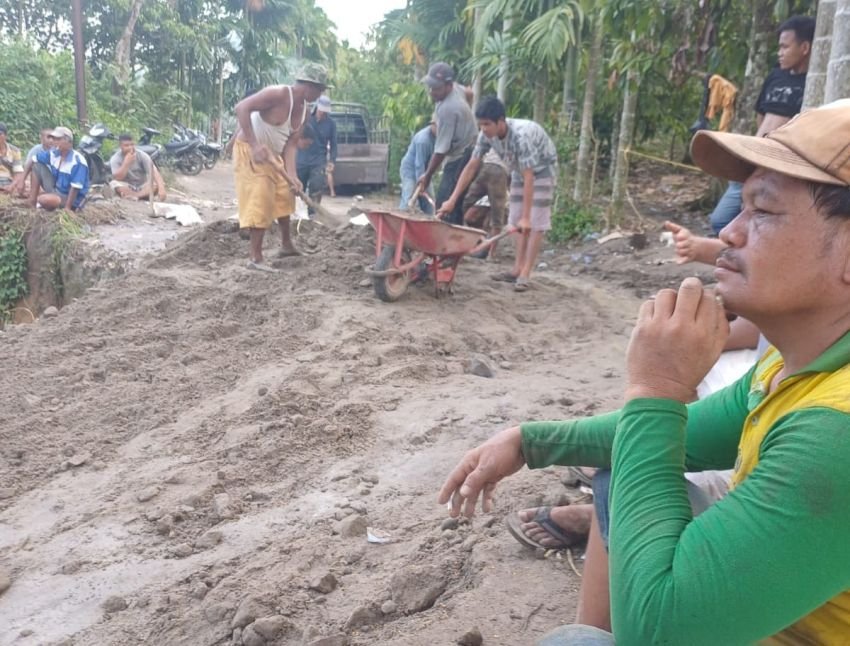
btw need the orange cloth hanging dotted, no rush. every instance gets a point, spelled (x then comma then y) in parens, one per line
(721, 96)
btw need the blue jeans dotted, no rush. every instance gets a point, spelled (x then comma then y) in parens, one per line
(577, 635)
(408, 185)
(727, 208)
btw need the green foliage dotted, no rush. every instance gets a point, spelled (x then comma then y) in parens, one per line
(68, 228)
(571, 220)
(13, 271)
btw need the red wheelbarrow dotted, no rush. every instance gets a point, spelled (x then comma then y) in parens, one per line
(404, 242)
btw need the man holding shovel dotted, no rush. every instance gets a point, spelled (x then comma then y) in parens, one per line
(270, 124)
(530, 153)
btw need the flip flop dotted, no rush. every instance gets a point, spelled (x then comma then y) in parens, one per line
(576, 476)
(521, 285)
(504, 276)
(286, 253)
(258, 266)
(543, 518)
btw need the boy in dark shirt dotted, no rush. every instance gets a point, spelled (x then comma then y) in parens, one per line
(780, 99)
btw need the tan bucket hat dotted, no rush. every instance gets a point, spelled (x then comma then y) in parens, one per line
(813, 146)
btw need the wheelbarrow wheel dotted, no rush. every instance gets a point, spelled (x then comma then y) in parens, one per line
(390, 288)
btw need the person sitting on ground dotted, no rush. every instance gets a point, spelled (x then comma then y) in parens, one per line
(45, 144)
(315, 159)
(60, 176)
(11, 168)
(413, 166)
(674, 577)
(531, 155)
(133, 172)
(270, 124)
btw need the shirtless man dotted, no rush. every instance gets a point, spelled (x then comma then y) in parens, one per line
(270, 124)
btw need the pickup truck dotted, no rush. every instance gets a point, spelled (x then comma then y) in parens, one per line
(363, 148)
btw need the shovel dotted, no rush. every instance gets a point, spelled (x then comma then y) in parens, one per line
(326, 218)
(413, 203)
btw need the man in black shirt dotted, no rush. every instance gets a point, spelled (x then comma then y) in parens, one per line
(780, 99)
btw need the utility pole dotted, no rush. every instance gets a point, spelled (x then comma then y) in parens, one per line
(79, 61)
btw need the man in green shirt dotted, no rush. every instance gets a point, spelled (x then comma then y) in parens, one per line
(768, 562)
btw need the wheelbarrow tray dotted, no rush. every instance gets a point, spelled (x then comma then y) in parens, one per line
(427, 235)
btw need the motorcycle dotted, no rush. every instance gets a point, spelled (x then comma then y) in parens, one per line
(182, 156)
(90, 145)
(210, 150)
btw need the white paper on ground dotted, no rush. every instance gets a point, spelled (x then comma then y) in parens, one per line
(183, 214)
(360, 220)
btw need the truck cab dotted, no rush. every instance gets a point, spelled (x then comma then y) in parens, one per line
(363, 148)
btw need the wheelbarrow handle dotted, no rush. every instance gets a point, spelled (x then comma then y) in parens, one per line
(488, 241)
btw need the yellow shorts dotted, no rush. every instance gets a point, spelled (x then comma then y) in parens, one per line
(263, 194)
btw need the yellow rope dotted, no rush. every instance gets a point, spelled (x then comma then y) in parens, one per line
(629, 151)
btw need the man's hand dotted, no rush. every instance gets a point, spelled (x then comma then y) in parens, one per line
(329, 168)
(422, 183)
(445, 208)
(524, 225)
(685, 242)
(677, 338)
(261, 153)
(480, 470)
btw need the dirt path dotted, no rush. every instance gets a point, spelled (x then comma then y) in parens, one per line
(195, 446)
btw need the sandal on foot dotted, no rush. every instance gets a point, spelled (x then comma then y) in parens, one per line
(504, 276)
(543, 518)
(259, 266)
(521, 284)
(575, 476)
(287, 253)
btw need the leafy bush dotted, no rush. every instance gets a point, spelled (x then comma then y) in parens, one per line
(572, 220)
(13, 271)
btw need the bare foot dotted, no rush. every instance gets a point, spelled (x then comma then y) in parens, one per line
(573, 520)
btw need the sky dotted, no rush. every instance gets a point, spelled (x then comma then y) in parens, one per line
(353, 18)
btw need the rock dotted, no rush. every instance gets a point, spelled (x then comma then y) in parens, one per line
(357, 505)
(353, 526)
(469, 543)
(183, 550)
(479, 366)
(364, 490)
(449, 523)
(363, 616)
(78, 460)
(371, 479)
(251, 638)
(5, 581)
(208, 540)
(223, 506)
(262, 391)
(147, 494)
(26, 632)
(114, 604)
(236, 637)
(247, 612)
(506, 365)
(389, 607)
(217, 612)
(416, 588)
(449, 535)
(340, 639)
(543, 265)
(270, 628)
(200, 591)
(471, 638)
(50, 312)
(324, 584)
(366, 282)
(6, 493)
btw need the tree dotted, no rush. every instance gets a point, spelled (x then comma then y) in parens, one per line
(761, 39)
(582, 175)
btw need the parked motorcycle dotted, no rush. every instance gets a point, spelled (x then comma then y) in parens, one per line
(182, 156)
(210, 150)
(90, 145)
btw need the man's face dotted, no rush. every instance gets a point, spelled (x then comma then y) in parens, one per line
(127, 147)
(439, 92)
(489, 128)
(784, 258)
(46, 138)
(792, 52)
(63, 144)
(314, 92)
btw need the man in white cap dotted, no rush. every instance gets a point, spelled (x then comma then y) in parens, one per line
(60, 176)
(768, 562)
(317, 150)
(270, 123)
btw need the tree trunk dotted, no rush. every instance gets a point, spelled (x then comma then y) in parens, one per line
(819, 61)
(568, 98)
(762, 37)
(505, 64)
(539, 113)
(838, 73)
(124, 47)
(581, 190)
(478, 79)
(627, 127)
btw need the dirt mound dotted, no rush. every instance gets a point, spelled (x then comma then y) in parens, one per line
(192, 453)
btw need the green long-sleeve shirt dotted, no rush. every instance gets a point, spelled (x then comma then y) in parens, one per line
(772, 553)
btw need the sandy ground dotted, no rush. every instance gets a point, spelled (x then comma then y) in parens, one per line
(191, 454)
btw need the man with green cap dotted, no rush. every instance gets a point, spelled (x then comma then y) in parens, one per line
(270, 124)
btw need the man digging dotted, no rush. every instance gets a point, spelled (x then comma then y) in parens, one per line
(270, 123)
